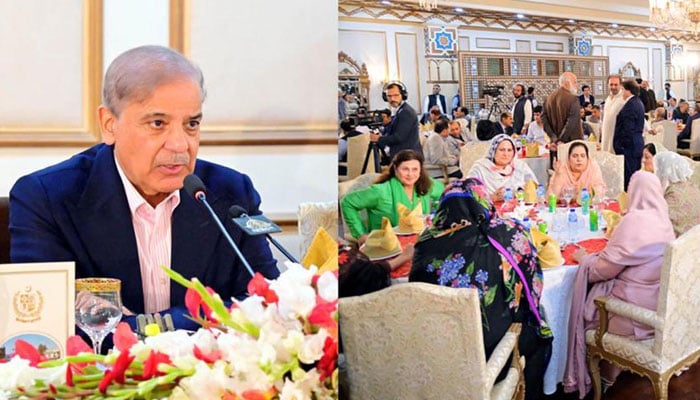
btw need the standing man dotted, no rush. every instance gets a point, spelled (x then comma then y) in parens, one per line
(118, 209)
(613, 104)
(668, 93)
(586, 96)
(629, 129)
(650, 100)
(521, 110)
(531, 96)
(560, 116)
(404, 125)
(435, 99)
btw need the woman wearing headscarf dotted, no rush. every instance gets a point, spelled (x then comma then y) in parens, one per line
(628, 269)
(680, 194)
(577, 171)
(500, 169)
(406, 182)
(469, 246)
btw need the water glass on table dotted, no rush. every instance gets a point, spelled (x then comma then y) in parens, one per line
(98, 307)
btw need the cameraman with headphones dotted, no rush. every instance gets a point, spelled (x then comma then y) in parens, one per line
(404, 124)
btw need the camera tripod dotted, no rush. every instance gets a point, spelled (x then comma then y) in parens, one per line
(372, 148)
(497, 106)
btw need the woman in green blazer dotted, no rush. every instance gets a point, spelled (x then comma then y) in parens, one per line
(406, 182)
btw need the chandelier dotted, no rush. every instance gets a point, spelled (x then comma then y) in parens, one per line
(675, 14)
(427, 4)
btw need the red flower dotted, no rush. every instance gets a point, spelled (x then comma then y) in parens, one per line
(124, 337)
(76, 345)
(195, 305)
(208, 358)
(326, 365)
(150, 366)
(117, 373)
(322, 314)
(69, 375)
(342, 257)
(259, 286)
(28, 352)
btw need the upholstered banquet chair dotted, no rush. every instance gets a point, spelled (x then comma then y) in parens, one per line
(676, 343)
(670, 135)
(657, 139)
(357, 150)
(421, 341)
(471, 152)
(313, 215)
(358, 183)
(613, 168)
(694, 141)
(695, 177)
(563, 149)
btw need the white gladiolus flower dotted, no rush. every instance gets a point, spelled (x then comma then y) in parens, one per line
(206, 383)
(15, 373)
(253, 309)
(328, 286)
(312, 347)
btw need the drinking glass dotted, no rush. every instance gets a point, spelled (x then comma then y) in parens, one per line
(568, 194)
(98, 307)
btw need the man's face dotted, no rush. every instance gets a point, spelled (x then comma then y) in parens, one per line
(517, 91)
(507, 121)
(596, 112)
(458, 113)
(582, 111)
(436, 89)
(672, 102)
(156, 140)
(386, 119)
(455, 130)
(394, 96)
(587, 91)
(537, 115)
(614, 85)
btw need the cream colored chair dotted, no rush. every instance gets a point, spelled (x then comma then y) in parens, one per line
(676, 342)
(670, 135)
(695, 177)
(418, 341)
(358, 183)
(694, 141)
(471, 152)
(357, 150)
(613, 168)
(314, 215)
(657, 139)
(563, 148)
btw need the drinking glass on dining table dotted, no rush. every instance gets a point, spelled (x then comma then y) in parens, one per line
(98, 307)
(568, 194)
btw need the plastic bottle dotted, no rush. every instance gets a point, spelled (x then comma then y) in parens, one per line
(540, 196)
(572, 225)
(593, 219)
(526, 223)
(552, 202)
(585, 201)
(508, 195)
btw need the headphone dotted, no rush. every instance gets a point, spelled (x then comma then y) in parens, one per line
(402, 90)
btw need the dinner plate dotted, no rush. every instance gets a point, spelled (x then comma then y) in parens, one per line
(400, 233)
(392, 255)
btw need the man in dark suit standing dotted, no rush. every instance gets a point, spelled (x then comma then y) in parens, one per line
(435, 99)
(118, 209)
(404, 126)
(521, 111)
(586, 96)
(560, 116)
(629, 129)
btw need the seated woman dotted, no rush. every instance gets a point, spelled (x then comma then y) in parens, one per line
(648, 157)
(358, 275)
(466, 247)
(577, 171)
(501, 169)
(680, 194)
(406, 182)
(628, 268)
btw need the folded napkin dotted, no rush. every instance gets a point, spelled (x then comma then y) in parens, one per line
(382, 243)
(548, 251)
(623, 199)
(532, 150)
(530, 192)
(322, 252)
(612, 219)
(410, 221)
(592, 138)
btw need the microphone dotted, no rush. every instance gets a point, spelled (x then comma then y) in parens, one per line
(195, 188)
(258, 225)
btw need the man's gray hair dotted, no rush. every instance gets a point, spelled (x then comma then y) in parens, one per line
(136, 73)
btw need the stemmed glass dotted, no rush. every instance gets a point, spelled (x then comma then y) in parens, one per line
(98, 307)
(568, 194)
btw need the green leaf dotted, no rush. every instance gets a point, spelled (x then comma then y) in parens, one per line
(490, 295)
(470, 268)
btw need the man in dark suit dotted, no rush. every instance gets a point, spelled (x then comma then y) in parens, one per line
(560, 117)
(404, 126)
(629, 129)
(685, 133)
(521, 110)
(504, 125)
(432, 100)
(118, 209)
(586, 96)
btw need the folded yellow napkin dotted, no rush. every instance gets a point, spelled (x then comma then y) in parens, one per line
(530, 192)
(612, 219)
(323, 252)
(592, 138)
(410, 221)
(532, 150)
(382, 243)
(623, 200)
(548, 251)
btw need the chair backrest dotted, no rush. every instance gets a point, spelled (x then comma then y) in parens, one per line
(658, 138)
(471, 152)
(4, 230)
(679, 302)
(357, 150)
(596, 129)
(358, 183)
(414, 341)
(695, 178)
(314, 215)
(563, 148)
(670, 135)
(613, 168)
(695, 138)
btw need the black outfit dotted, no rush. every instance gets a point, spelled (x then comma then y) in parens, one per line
(582, 100)
(458, 251)
(357, 275)
(651, 100)
(683, 117)
(498, 129)
(644, 97)
(685, 133)
(433, 100)
(628, 139)
(404, 131)
(519, 114)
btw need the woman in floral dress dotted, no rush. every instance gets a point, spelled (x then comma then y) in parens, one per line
(469, 246)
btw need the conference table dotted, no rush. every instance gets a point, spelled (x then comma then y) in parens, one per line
(558, 281)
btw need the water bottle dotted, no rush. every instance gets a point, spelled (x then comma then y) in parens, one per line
(540, 196)
(508, 195)
(585, 201)
(526, 223)
(573, 225)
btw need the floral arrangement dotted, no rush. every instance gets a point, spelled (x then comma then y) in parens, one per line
(279, 343)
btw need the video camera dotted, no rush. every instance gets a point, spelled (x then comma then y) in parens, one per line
(493, 91)
(372, 119)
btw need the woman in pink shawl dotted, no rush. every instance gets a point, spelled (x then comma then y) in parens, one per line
(629, 269)
(577, 171)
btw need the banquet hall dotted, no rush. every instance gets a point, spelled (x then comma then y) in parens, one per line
(474, 54)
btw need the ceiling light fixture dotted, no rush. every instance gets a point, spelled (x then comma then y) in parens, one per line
(675, 14)
(459, 10)
(427, 4)
(520, 16)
